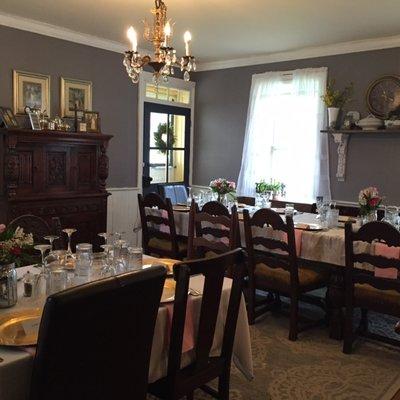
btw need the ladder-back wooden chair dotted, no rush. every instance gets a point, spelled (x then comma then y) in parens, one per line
(212, 230)
(159, 236)
(373, 288)
(273, 265)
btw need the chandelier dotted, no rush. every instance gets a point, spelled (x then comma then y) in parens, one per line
(165, 58)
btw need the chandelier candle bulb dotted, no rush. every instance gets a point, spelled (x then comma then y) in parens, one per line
(167, 33)
(131, 33)
(187, 37)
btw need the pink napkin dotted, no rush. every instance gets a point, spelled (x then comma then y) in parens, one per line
(298, 234)
(163, 227)
(384, 250)
(188, 332)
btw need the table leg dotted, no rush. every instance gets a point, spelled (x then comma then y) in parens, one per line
(335, 299)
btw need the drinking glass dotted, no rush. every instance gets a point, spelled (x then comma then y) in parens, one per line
(189, 197)
(120, 256)
(105, 236)
(51, 239)
(135, 258)
(333, 218)
(392, 215)
(108, 269)
(84, 260)
(289, 210)
(319, 202)
(69, 232)
(41, 282)
(58, 280)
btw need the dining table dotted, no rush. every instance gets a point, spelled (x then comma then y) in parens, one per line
(16, 362)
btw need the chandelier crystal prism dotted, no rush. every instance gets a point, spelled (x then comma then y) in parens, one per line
(165, 58)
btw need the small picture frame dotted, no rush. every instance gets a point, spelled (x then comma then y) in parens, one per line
(92, 120)
(82, 127)
(32, 90)
(75, 94)
(35, 121)
(7, 118)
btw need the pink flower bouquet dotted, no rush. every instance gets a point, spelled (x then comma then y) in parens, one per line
(369, 200)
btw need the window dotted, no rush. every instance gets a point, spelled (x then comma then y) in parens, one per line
(167, 93)
(283, 140)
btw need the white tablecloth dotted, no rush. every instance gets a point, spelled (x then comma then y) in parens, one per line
(16, 364)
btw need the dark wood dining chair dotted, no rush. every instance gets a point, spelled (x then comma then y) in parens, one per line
(212, 230)
(159, 236)
(95, 339)
(273, 266)
(365, 290)
(249, 201)
(182, 382)
(302, 207)
(39, 228)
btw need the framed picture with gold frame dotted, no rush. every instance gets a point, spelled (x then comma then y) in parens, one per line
(32, 90)
(75, 94)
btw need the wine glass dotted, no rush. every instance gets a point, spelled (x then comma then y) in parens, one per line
(69, 232)
(51, 239)
(104, 235)
(52, 257)
(108, 269)
(42, 277)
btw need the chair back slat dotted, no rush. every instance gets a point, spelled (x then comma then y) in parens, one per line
(213, 228)
(153, 201)
(213, 270)
(270, 243)
(378, 231)
(377, 261)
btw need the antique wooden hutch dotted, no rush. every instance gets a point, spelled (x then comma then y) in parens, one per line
(52, 173)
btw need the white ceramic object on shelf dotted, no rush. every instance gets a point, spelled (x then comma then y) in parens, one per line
(333, 113)
(392, 124)
(370, 123)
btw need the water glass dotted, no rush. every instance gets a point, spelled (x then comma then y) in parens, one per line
(58, 280)
(135, 257)
(392, 215)
(84, 259)
(289, 210)
(332, 218)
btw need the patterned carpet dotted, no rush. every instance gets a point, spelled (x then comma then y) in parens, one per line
(314, 367)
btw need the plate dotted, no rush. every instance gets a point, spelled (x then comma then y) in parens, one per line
(20, 328)
(308, 227)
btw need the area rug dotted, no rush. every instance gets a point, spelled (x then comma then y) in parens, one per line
(314, 367)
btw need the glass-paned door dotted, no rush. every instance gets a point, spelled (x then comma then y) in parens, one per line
(166, 146)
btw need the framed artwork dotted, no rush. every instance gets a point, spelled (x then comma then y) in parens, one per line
(32, 90)
(7, 118)
(75, 94)
(92, 120)
(35, 121)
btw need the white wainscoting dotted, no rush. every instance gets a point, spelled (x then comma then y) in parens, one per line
(123, 213)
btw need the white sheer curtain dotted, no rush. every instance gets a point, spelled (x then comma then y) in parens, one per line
(283, 140)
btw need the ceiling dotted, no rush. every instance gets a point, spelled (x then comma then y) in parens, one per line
(222, 29)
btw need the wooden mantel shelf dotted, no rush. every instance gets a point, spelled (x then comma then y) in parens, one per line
(341, 138)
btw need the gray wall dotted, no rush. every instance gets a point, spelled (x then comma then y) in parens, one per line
(221, 111)
(114, 96)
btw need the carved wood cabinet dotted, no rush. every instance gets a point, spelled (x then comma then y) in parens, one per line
(50, 173)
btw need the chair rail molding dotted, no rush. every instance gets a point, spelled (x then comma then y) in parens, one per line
(123, 213)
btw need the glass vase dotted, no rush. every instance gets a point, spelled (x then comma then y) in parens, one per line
(370, 217)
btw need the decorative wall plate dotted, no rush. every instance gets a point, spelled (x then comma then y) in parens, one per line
(383, 96)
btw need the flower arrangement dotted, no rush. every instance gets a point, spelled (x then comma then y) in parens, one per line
(222, 186)
(263, 187)
(369, 200)
(337, 98)
(16, 247)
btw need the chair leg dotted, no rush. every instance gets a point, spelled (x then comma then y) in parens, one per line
(363, 326)
(294, 315)
(251, 306)
(223, 385)
(348, 331)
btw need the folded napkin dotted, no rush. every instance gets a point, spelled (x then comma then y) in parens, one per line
(381, 249)
(188, 332)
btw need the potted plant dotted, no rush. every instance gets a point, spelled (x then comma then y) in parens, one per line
(369, 200)
(273, 188)
(223, 187)
(335, 100)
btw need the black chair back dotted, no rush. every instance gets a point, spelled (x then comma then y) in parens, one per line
(95, 340)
